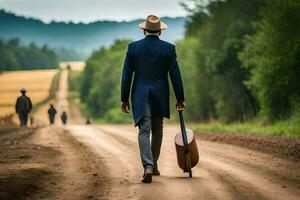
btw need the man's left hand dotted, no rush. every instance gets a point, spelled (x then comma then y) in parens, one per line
(125, 107)
(180, 106)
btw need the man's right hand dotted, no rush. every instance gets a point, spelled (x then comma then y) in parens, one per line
(125, 107)
(180, 106)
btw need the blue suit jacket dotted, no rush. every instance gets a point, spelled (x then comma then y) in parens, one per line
(150, 60)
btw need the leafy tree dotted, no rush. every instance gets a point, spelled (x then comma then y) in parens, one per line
(220, 27)
(101, 82)
(273, 57)
(195, 80)
(8, 61)
(14, 56)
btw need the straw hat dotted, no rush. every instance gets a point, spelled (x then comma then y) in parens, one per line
(153, 23)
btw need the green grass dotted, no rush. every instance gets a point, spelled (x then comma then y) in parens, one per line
(282, 128)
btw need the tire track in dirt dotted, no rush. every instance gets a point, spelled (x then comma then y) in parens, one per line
(243, 177)
(119, 168)
(246, 181)
(171, 185)
(205, 184)
(276, 169)
(168, 186)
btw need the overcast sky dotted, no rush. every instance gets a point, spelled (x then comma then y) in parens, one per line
(92, 10)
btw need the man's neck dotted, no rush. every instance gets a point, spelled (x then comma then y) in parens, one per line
(155, 34)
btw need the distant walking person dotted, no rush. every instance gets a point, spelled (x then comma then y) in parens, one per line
(150, 60)
(64, 117)
(88, 121)
(23, 107)
(51, 114)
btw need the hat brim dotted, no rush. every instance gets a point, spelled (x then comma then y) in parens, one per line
(163, 26)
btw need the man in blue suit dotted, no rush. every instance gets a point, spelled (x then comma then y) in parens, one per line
(150, 60)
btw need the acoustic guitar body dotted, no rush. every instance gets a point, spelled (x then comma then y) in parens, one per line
(186, 160)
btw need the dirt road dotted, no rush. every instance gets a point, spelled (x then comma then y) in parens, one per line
(102, 162)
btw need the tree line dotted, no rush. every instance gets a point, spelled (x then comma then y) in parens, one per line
(100, 83)
(15, 56)
(239, 60)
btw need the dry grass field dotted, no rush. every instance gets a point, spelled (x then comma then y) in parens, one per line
(37, 83)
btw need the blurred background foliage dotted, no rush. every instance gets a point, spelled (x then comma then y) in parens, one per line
(100, 83)
(239, 60)
(14, 56)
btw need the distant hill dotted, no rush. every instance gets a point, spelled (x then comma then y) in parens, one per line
(79, 37)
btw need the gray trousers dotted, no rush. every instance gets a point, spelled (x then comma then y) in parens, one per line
(23, 116)
(150, 150)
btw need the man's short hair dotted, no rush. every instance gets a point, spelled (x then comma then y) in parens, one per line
(23, 90)
(152, 31)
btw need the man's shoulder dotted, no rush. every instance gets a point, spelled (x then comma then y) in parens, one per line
(167, 44)
(22, 97)
(25, 97)
(135, 43)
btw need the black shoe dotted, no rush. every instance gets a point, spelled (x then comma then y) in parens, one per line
(156, 172)
(147, 178)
